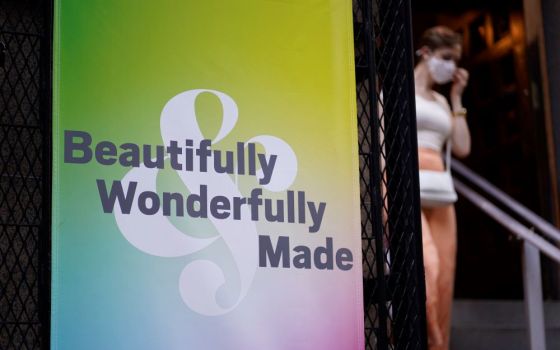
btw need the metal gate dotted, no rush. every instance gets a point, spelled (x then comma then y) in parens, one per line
(392, 256)
(24, 175)
(394, 288)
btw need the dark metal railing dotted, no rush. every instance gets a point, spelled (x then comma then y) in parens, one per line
(506, 200)
(533, 243)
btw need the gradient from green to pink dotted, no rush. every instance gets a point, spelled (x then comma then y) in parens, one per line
(289, 67)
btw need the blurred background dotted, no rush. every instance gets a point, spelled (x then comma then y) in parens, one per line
(512, 50)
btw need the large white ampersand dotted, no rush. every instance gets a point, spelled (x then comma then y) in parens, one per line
(156, 235)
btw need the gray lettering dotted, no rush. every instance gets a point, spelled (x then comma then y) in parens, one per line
(301, 207)
(220, 169)
(237, 202)
(290, 200)
(327, 252)
(203, 153)
(117, 193)
(241, 158)
(279, 215)
(254, 201)
(174, 151)
(267, 250)
(267, 168)
(189, 155)
(303, 260)
(178, 199)
(316, 215)
(70, 146)
(251, 157)
(143, 203)
(132, 155)
(217, 204)
(344, 255)
(159, 158)
(202, 199)
(105, 153)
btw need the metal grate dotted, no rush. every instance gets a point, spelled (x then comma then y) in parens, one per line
(24, 117)
(394, 291)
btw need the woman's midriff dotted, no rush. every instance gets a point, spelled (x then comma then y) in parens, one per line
(429, 159)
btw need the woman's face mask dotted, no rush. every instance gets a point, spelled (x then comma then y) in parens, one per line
(442, 71)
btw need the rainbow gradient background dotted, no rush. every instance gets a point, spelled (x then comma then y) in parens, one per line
(289, 67)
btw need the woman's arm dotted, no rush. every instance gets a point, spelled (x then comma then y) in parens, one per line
(460, 135)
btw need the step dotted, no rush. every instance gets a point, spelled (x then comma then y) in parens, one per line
(493, 324)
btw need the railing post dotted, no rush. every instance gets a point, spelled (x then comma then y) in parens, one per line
(532, 286)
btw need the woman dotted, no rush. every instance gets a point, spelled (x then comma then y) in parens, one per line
(438, 122)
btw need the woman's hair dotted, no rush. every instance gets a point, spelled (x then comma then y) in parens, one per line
(440, 36)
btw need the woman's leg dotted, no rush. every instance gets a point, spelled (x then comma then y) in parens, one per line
(431, 267)
(444, 234)
(439, 232)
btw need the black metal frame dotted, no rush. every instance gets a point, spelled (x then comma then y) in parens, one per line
(394, 292)
(45, 239)
(25, 119)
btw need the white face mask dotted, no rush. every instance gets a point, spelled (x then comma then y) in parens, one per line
(441, 70)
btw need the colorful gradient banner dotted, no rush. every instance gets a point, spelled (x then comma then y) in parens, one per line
(205, 176)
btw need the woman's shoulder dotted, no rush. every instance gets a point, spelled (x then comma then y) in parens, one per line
(439, 97)
(442, 100)
(434, 97)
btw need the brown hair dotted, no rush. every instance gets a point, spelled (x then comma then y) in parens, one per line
(440, 36)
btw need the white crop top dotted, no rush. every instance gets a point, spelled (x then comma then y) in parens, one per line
(433, 124)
